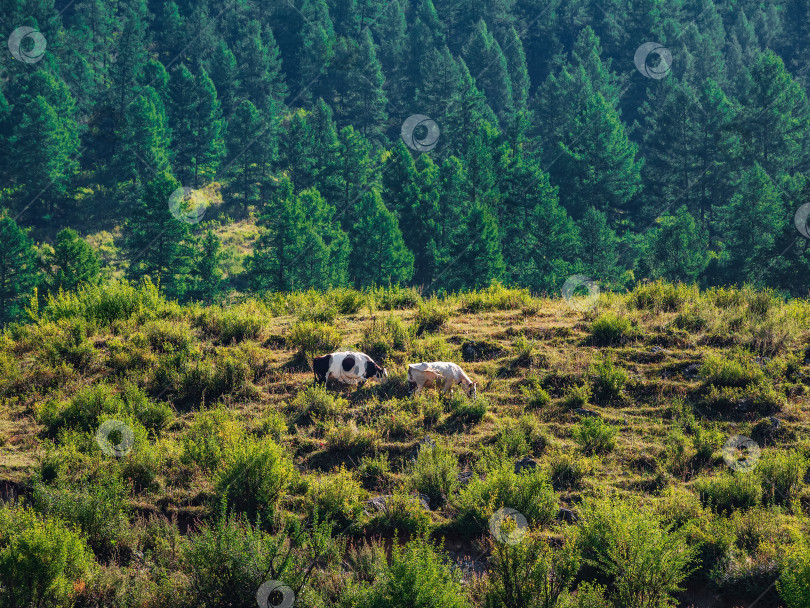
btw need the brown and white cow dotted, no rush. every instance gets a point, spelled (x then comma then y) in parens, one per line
(347, 367)
(427, 374)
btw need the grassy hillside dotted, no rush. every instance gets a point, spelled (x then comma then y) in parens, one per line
(236, 459)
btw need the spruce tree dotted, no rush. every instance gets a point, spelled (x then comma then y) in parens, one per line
(679, 249)
(18, 272)
(476, 254)
(206, 275)
(379, 255)
(71, 262)
(600, 249)
(246, 162)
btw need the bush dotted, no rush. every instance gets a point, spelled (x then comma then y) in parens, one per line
(595, 436)
(782, 475)
(529, 492)
(531, 573)
(42, 561)
(237, 323)
(395, 297)
(536, 397)
(609, 328)
(645, 560)
(494, 297)
(375, 471)
(227, 563)
(434, 473)
(434, 348)
(336, 497)
(577, 396)
(730, 492)
(608, 379)
(417, 576)
(430, 316)
(210, 437)
(105, 303)
(794, 577)
(99, 507)
(519, 437)
(661, 296)
(567, 471)
(254, 477)
(347, 301)
(384, 337)
(734, 370)
(351, 440)
(312, 338)
(316, 403)
(402, 513)
(464, 409)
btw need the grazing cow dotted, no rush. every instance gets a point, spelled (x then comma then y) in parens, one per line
(425, 374)
(347, 368)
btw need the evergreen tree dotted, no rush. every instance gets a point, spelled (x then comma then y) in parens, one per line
(130, 55)
(158, 245)
(518, 70)
(18, 273)
(145, 146)
(224, 72)
(379, 255)
(678, 248)
(487, 64)
(600, 249)
(476, 254)
(751, 223)
(206, 273)
(246, 163)
(355, 174)
(71, 263)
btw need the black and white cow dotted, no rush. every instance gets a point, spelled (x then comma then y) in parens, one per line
(347, 367)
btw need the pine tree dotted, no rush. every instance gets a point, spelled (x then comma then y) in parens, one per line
(600, 249)
(206, 274)
(158, 245)
(379, 255)
(476, 255)
(130, 56)
(71, 263)
(246, 162)
(224, 72)
(487, 64)
(145, 147)
(751, 223)
(518, 70)
(260, 75)
(18, 273)
(679, 249)
(355, 174)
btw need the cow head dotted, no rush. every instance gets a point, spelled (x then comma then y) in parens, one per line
(472, 390)
(375, 371)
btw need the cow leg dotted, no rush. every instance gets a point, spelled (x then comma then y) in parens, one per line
(412, 388)
(448, 384)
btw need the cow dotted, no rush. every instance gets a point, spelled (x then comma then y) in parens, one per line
(427, 374)
(347, 368)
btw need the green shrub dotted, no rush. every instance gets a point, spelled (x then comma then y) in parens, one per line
(375, 471)
(661, 296)
(794, 577)
(577, 396)
(336, 497)
(645, 560)
(42, 561)
(524, 350)
(395, 297)
(347, 301)
(254, 477)
(782, 475)
(529, 492)
(350, 439)
(594, 436)
(434, 473)
(434, 348)
(608, 378)
(312, 338)
(244, 321)
(402, 513)
(517, 438)
(324, 312)
(417, 576)
(465, 409)
(567, 471)
(430, 316)
(734, 370)
(384, 337)
(494, 297)
(210, 436)
(227, 562)
(609, 328)
(317, 403)
(104, 303)
(531, 573)
(98, 506)
(730, 492)
(536, 397)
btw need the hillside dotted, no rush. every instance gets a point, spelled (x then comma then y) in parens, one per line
(226, 449)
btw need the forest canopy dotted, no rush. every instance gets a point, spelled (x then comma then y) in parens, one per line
(439, 144)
